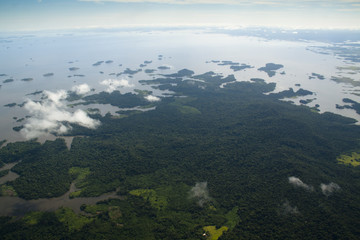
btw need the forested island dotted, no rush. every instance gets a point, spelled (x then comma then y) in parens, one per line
(208, 162)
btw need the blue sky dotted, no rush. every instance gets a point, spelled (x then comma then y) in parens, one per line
(20, 15)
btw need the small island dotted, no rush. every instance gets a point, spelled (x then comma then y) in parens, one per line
(150, 70)
(164, 67)
(10, 105)
(8, 80)
(27, 79)
(316, 75)
(74, 68)
(240, 67)
(270, 68)
(98, 63)
(48, 74)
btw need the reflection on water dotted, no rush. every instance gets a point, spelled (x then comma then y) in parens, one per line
(11, 176)
(15, 206)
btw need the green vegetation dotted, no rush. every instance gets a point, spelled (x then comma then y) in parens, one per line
(243, 146)
(157, 202)
(10, 105)
(316, 75)
(232, 218)
(346, 80)
(7, 190)
(27, 79)
(291, 94)
(270, 68)
(212, 233)
(4, 172)
(8, 80)
(48, 74)
(353, 159)
(74, 69)
(32, 218)
(71, 220)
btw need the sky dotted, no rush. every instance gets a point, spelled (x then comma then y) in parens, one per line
(34, 15)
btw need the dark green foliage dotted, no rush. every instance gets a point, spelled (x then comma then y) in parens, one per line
(243, 143)
(181, 73)
(290, 93)
(270, 68)
(316, 75)
(241, 67)
(43, 171)
(115, 98)
(4, 172)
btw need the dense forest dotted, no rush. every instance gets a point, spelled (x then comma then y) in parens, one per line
(209, 162)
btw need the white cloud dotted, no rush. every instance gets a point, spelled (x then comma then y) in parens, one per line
(114, 84)
(152, 98)
(200, 193)
(81, 89)
(298, 183)
(288, 209)
(328, 189)
(51, 116)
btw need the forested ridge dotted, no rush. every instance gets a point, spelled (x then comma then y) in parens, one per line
(207, 163)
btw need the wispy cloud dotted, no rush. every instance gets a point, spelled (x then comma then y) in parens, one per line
(51, 116)
(152, 98)
(328, 189)
(81, 89)
(298, 183)
(288, 209)
(114, 84)
(200, 193)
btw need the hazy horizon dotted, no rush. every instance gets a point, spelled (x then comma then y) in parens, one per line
(37, 15)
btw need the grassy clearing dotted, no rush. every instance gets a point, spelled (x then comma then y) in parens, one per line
(353, 159)
(6, 190)
(32, 218)
(212, 233)
(232, 218)
(71, 219)
(188, 110)
(156, 201)
(80, 175)
(179, 103)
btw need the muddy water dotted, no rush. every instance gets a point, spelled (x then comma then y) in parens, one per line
(15, 206)
(11, 176)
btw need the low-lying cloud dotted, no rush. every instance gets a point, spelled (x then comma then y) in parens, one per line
(328, 189)
(81, 89)
(200, 192)
(152, 98)
(114, 84)
(51, 116)
(298, 183)
(288, 209)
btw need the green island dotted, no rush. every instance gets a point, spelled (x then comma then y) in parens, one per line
(48, 74)
(316, 75)
(9, 80)
(270, 68)
(346, 80)
(27, 79)
(207, 162)
(74, 69)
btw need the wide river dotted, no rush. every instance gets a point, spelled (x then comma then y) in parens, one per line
(70, 58)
